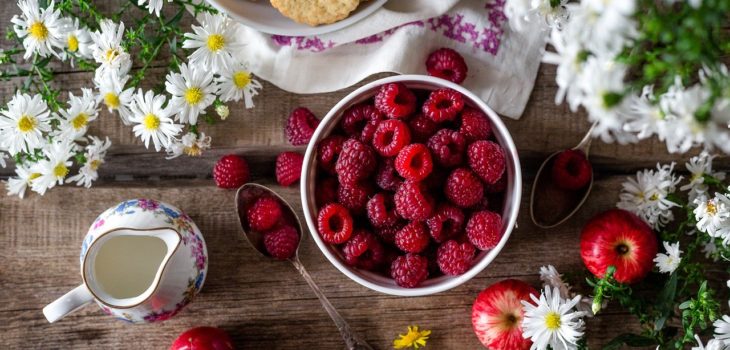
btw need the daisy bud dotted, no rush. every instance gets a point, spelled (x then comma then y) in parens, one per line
(222, 111)
(596, 306)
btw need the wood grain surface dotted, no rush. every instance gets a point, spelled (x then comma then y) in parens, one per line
(264, 304)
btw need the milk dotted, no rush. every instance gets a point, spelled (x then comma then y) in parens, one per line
(126, 265)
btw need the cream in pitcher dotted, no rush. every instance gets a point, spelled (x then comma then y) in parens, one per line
(138, 251)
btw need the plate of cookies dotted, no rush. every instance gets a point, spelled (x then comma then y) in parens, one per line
(298, 17)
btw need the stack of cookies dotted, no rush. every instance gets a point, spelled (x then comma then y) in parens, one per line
(316, 12)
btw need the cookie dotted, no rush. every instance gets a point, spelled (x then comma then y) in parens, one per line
(315, 12)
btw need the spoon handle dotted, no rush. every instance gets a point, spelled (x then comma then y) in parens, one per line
(585, 143)
(352, 341)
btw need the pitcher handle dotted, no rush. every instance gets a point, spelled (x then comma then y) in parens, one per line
(70, 302)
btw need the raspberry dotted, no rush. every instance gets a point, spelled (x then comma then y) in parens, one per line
(412, 202)
(454, 258)
(326, 191)
(395, 100)
(327, 152)
(474, 125)
(414, 162)
(412, 238)
(387, 233)
(386, 177)
(464, 188)
(360, 121)
(282, 242)
(263, 214)
(447, 147)
(487, 160)
(300, 126)
(443, 105)
(355, 197)
(409, 270)
(230, 171)
(381, 210)
(447, 64)
(497, 187)
(356, 162)
(390, 137)
(422, 128)
(446, 222)
(334, 223)
(571, 170)
(363, 250)
(484, 229)
(288, 167)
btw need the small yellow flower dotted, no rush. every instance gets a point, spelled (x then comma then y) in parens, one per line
(413, 339)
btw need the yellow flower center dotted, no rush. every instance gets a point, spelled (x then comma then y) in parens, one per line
(241, 79)
(38, 30)
(151, 122)
(26, 123)
(654, 197)
(193, 150)
(216, 42)
(94, 164)
(73, 43)
(552, 321)
(111, 100)
(34, 176)
(711, 208)
(193, 95)
(60, 170)
(80, 121)
(111, 54)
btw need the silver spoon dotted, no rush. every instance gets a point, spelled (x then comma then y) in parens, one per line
(545, 192)
(252, 191)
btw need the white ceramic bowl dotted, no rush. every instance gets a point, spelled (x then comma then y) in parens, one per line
(378, 282)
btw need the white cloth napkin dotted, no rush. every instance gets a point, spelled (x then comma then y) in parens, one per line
(398, 38)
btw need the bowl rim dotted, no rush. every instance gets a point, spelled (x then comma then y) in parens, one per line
(447, 282)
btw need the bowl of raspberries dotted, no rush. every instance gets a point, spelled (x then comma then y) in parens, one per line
(411, 185)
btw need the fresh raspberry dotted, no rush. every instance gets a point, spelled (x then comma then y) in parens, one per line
(387, 233)
(412, 202)
(443, 105)
(414, 162)
(334, 223)
(497, 187)
(355, 197)
(327, 152)
(386, 177)
(356, 162)
(447, 64)
(409, 270)
(464, 188)
(446, 222)
(412, 238)
(361, 121)
(454, 258)
(231, 171)
(571, 170)
(326, 191)
(300, 126)
(422, 128)
(264, 213)
(487, 160)
(395, 100)
(363, 250)
(381, 210)
(289, 167)
(447, 147)
(474, 125)
(390, 137)
(484, 229)
(282, 243)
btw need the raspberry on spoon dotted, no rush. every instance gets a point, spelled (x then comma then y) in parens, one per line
(571, 170)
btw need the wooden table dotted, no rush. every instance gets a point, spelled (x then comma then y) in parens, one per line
(264, 304)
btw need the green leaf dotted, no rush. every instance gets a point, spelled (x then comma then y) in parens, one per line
(629, 339)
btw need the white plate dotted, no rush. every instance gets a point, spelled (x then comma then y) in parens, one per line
(263, 17)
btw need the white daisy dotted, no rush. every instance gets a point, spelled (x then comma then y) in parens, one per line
(722, 329)
(551, 278)
(94, 154)
(75, 120)
(712, 344)
(669, 262)
(111, 91)
(42, 29)
(192, 90)
(236, 82)
(552, 321)
(223, 111)
(55, 168)
(713, 215)
(155, 6)
(107, 49)
(643, 116)
(699, 166)
(710, 250)
(78, 41)
(20, 182)
(153, 121)
(569, 56)
(646, 195)
(191, 144)
(679, 106)
(214, 41)
(22, 125)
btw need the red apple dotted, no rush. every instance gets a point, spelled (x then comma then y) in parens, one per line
(203, 338)
(497, 315)
(619, 238)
